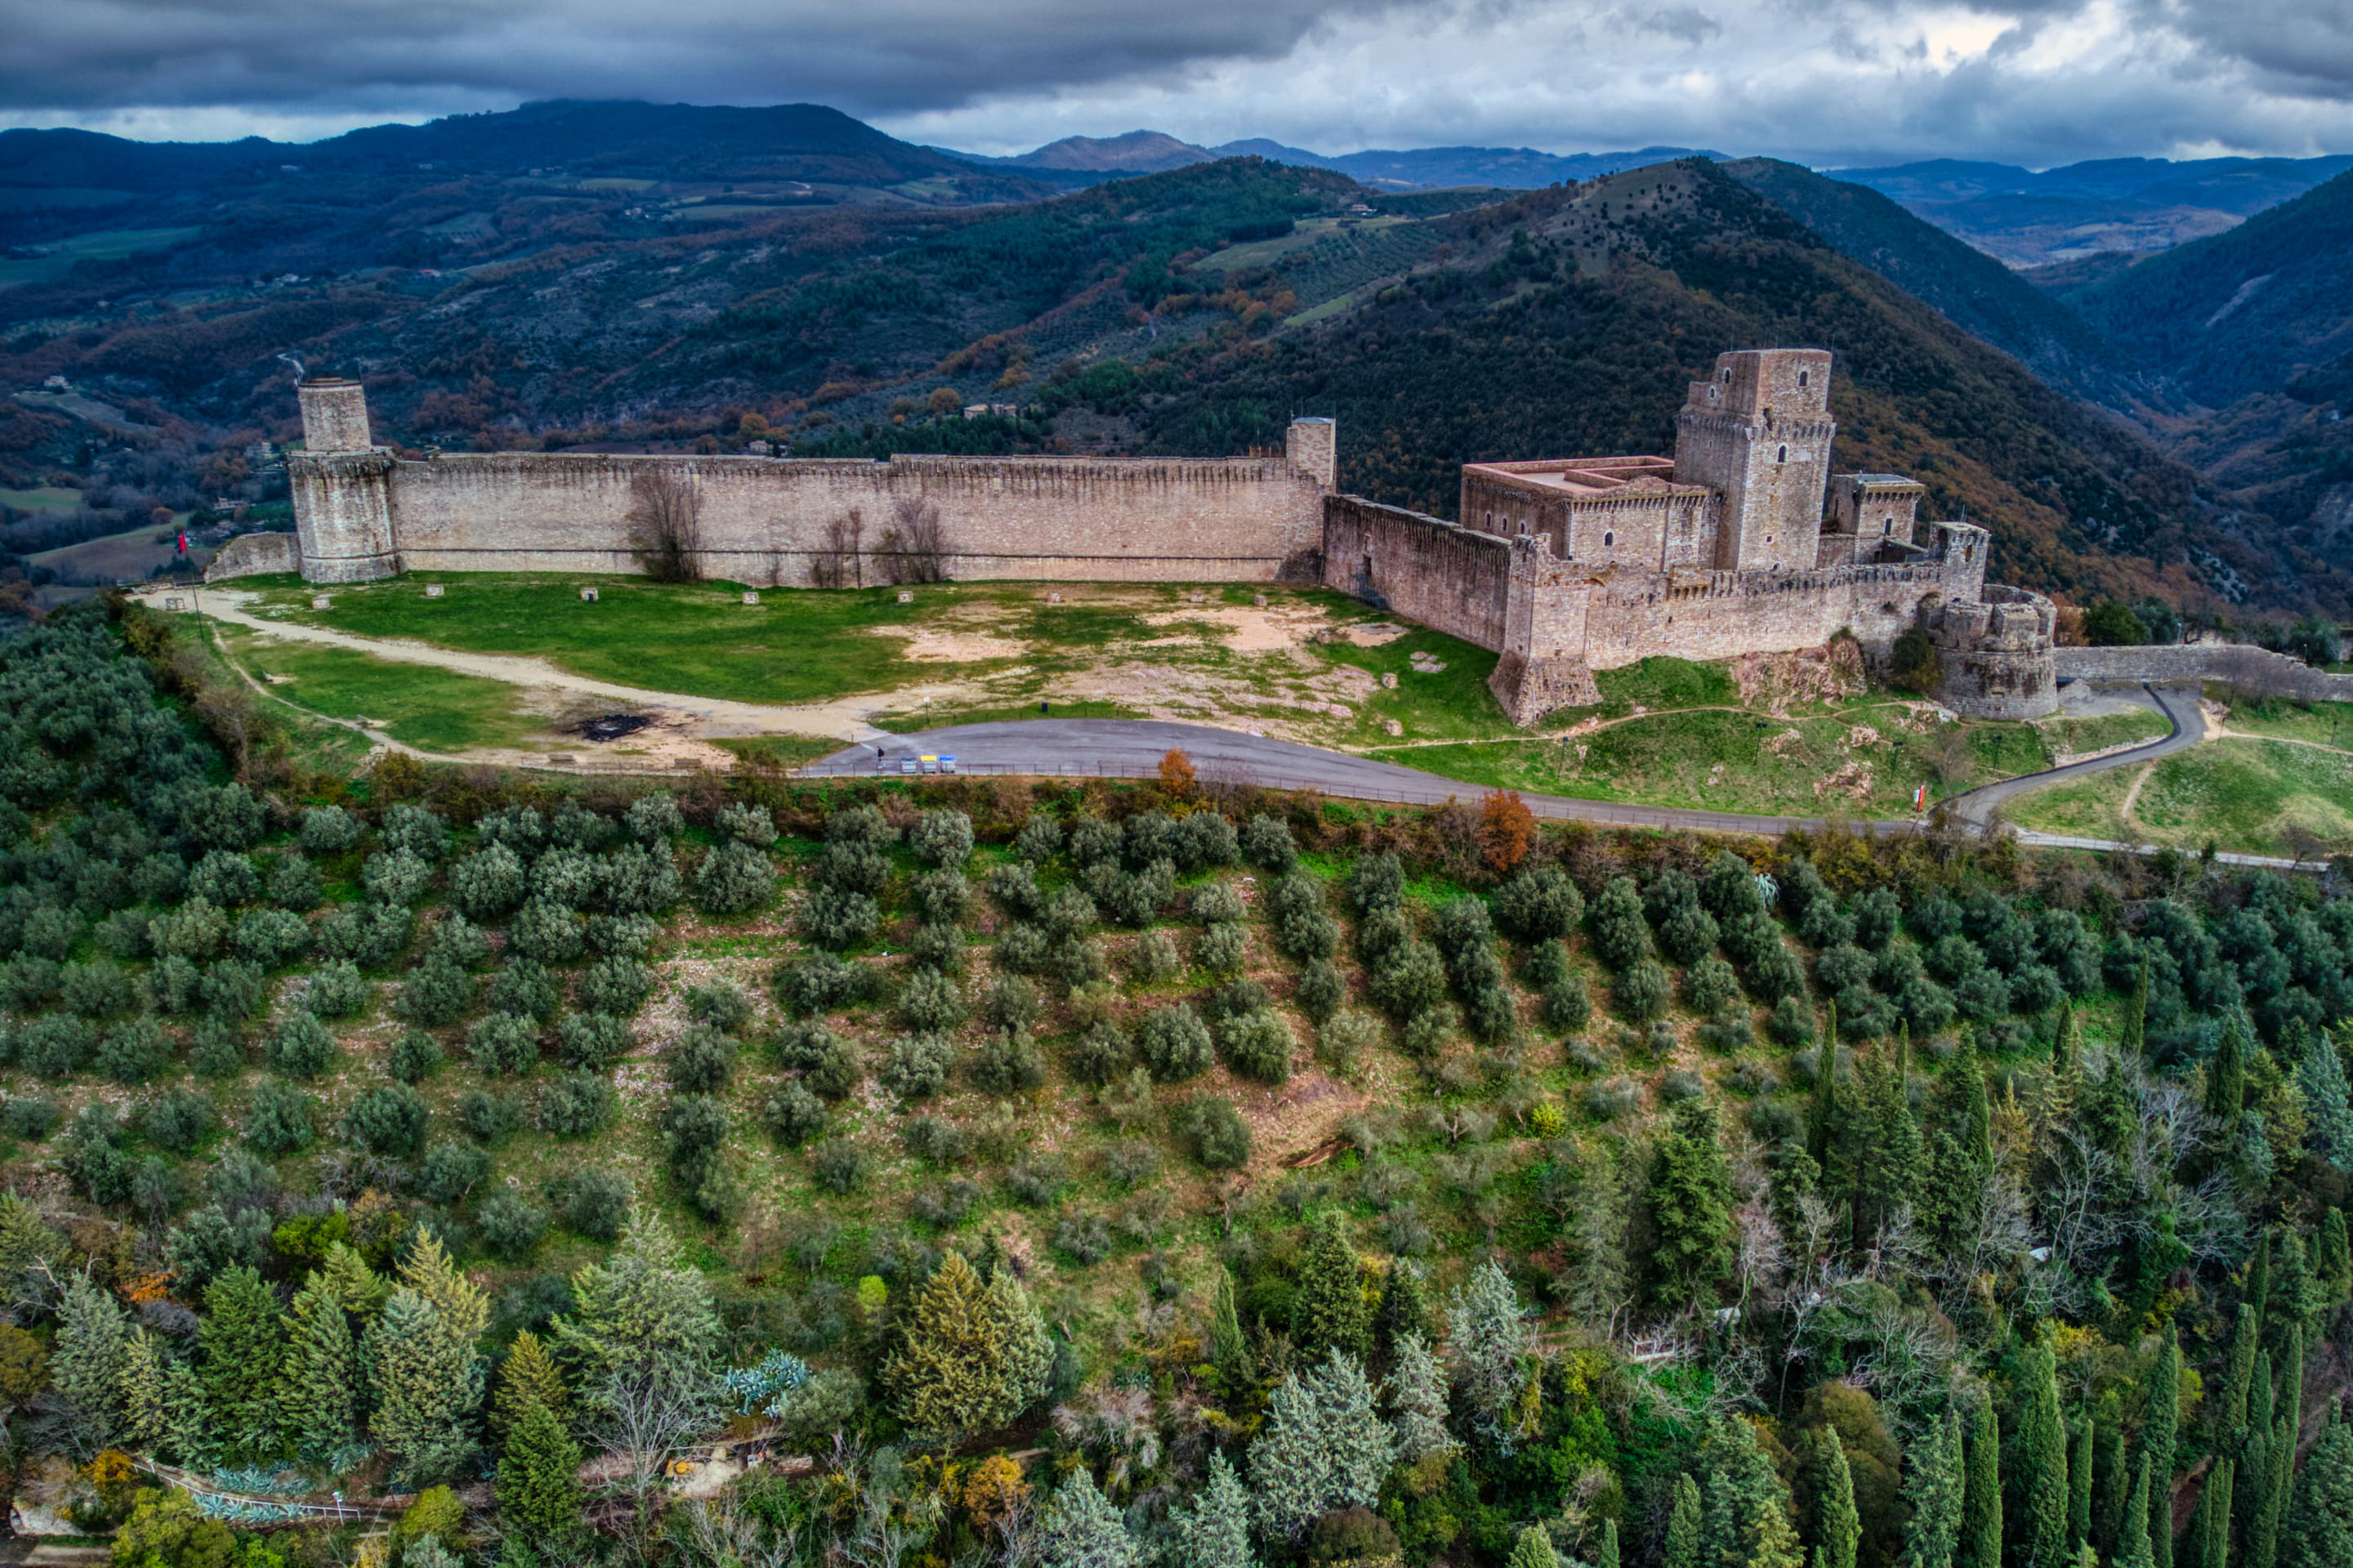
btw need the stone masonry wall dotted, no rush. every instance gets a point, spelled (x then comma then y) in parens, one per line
(253, 555)
(1721, 615)
(1454, 580)
(2238, 663)
(767, 520)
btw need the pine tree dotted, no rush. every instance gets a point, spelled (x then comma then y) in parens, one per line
(86, 1367)
(1418, 1399)
(1328, 1313)
(644, 1310)
(1228, 1350)
(2039, 1488)
(2132, 1548)
(1082, 1530)
(146, 1392)
(242, 1357)
(2319, 1529)
(427, 1374)
(1897, 1161)
(1213, 1531)
(1837, 1531)
(1980, 1545)
(1933, 1486)
(187, 1419)
(1744, 1506)
(322, 1415)
(1682, 1549)
(2160, 1432)
(537, 1485)
(1324, 1448)
(1533, 1550)
(1404, 1309)
(528, 1377)
(972, 1357)
(2079, 1489)
(2327, 1102)
(1492, 1342)
(1691, 1212)
(348, 1278)
(1608, 1554)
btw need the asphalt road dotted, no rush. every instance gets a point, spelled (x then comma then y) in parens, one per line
(2177, 703)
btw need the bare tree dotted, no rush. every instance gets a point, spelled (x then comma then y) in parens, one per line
(720, 1533)
(665, 531)
(914, 549)
(841, 562)
(651, 1417)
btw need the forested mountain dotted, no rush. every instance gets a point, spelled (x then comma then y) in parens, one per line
(1083, 1177)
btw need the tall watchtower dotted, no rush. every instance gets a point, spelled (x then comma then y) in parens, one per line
(343, 502)
(1759, 431)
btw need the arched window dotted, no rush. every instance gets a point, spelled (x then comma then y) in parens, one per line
(1784, 457)
(1608, 538)
(1801, 378)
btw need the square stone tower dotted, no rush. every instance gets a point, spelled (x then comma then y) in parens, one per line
(1758, 432)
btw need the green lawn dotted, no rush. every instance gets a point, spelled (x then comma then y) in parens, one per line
(433, 710)
(105, 245)
(2251, 796)
(2079, 736)
(702, 640)
(2323, 723)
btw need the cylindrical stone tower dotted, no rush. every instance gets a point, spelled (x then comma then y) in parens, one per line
(342, 496)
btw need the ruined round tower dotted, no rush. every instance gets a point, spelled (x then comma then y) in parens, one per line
(343, 502)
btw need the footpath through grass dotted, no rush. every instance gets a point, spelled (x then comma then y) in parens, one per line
(433, 710)
(2254, 796)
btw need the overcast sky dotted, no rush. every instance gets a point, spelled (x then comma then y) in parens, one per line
(1823, 81)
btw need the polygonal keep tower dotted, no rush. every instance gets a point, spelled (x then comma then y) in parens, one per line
(1759, 431)
(342, 503)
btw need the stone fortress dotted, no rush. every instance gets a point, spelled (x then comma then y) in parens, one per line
(1744, 542)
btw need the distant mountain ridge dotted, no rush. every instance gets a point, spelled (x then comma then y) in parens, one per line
(1421, 168)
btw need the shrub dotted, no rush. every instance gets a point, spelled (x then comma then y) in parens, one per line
(1792, 1022)
(838, 1166)
(1611, 1098)
(1621, 933)
(940, 949)
(301, 1047)
(193, 930)
(819, 983)
(594, 1041)
(504, 1043)
(723, 1004)
(527, 988)
(1568, 1005)
(1729, 1031)
(225, 877)
(135, 1051)
(234, 988)
(640, 880)
(488, 1118)
(415, 829)
(452, 1171)
(931, 1004)
(1103, 1053)
(436, 993)
(1377, 882)
(834, 919)
(942, 838)
(1155, 957)
(746, 824)
(400, 877)
(388, 1120)
(219, 1048)
(1710, 984)
(616, 985)
(1085, 1238)
(54, 1047)
(830, 1064)
(937, 1140)
(278, 1119)
(735, 879)
(1205, 839)
(918, 1065)
(594, 1203)
(31, 1119)
(1041, 838)
(1875, 914)
(548, 932)
(1007, 1062)
(702, 1060)
(1217, 901)
(172, 985)
(329, 830)
(793, 1115)
(1213, 1132)
(510, 1228)
(575, 1104)
(337, 990)
(1345, 1037)
(177, 1122)
(567, 877)
(1407, 982)
(270, 936)
(1037, 1180)
(1175, 1044)
(1680, 1084)
(1222, 947)
(1321, 991)
(1541, 904)
(941, 897)
(414, 1058)
(1266, 843)
(1257, 1044)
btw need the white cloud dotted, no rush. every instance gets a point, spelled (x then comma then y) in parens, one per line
(1826, 81)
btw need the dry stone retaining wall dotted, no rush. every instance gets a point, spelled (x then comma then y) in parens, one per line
(2239, 664)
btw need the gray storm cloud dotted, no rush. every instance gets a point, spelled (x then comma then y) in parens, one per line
(1823, 80)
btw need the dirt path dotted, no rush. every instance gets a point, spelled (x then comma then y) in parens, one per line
(2214, 733)
(844, 718)
(2132, 795)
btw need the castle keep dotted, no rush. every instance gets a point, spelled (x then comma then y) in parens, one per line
(1742, 542)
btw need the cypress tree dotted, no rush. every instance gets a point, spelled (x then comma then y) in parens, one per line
(1691, 1211)
(323, 1405)
(1609, 1557)
(1743, 1505)
(2258, 1292)
(2114, 1486)
(2135, 1042)
(2039, 1488)
(1837, 1531)
(1824, 1115)
(2132, 1547)
(2064, 1040)
(2160, 1432)
(2237, 1381)
(1228, 1350)
(2319, 1529)
(242, 1350)
(2079, 1489)
(1682, 1549)
(2226, 1080)
(1533, 1550)
(2218, 1485)
(2279, 1476)
(2335, 1260)
(1975, 1108)
(1328, 1313)
(2253, 1481)
(1898, 1158)
(537, 1485)
(1933, 1485)
(1980, 1544)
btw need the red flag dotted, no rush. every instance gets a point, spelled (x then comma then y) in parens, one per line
(1920, 798)
(183, 542)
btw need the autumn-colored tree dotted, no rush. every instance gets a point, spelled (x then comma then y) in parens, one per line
(1506, 829)
(1176, 775)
